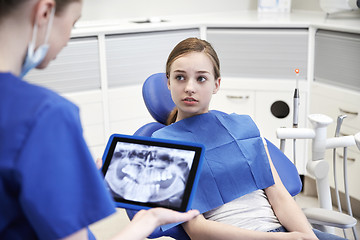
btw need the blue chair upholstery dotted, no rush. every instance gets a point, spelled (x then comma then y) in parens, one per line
(157, 97)
(158, 101)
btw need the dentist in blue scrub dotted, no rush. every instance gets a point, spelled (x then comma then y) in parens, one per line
(50, 187)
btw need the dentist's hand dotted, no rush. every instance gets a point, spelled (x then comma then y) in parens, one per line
(145, 221)
(98, 163)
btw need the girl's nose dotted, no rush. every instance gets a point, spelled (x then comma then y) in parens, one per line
(190, 86)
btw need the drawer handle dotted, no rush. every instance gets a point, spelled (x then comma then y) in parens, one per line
(348, 112)
(342, 157)
(237, 97)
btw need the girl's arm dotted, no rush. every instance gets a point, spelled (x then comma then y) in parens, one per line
(285, 208)
(201, 229)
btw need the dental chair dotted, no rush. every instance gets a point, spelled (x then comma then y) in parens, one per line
(158, 101)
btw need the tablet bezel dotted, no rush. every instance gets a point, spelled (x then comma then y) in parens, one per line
(192, 180)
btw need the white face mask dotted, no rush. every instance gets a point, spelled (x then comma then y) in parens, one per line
(35, 57)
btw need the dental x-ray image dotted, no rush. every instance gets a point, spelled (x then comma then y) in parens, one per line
(149, 174)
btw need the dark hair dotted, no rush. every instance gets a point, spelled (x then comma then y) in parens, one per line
(187, 46)
(8, 6)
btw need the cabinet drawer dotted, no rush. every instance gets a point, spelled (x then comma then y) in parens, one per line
(238, 101)
(333, 102)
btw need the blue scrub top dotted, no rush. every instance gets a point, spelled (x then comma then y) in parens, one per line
(49, 184)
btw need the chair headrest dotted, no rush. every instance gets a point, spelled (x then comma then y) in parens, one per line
(157, 97)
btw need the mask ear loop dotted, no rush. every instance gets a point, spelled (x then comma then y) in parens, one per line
(49, 26)
(33, 40)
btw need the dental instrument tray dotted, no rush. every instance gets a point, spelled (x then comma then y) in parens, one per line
(144, 172)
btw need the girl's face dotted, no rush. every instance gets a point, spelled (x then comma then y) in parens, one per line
(61, 30)
(192, 84)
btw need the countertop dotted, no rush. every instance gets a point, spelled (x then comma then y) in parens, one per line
(348, 22)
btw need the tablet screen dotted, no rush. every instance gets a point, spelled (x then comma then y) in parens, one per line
(143, 172)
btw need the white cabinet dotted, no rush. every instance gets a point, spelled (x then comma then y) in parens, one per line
(337, 58)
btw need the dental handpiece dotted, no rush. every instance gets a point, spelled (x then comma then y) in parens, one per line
(340, 119)
(296, 101)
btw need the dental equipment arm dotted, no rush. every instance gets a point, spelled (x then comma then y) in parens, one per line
(293, 133)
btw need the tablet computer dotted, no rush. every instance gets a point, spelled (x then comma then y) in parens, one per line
(144, 172)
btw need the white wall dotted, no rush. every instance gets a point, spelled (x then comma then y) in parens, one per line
(112, 9)
(115, 9)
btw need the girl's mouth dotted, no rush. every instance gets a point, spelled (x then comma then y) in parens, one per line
(190, 100)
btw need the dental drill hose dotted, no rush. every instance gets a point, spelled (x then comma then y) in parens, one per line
(337, 134)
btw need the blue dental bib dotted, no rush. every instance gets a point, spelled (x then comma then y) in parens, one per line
(235, 161)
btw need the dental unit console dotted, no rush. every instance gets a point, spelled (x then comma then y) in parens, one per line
(318, 166)
(143, 172)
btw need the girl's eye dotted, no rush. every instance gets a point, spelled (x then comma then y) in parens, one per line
(201, 79)
(179, 77)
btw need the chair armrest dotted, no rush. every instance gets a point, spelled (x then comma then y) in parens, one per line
(327, 217)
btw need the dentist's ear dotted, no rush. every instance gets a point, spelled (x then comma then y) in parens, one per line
(217, 85)
(43, 11)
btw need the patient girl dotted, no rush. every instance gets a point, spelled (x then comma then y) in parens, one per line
(240, 193)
